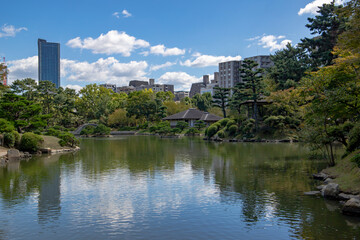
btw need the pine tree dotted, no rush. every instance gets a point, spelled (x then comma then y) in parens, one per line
(327, 26)
(252, 77)
(221, 98)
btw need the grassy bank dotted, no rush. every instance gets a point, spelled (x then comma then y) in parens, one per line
(347, 174)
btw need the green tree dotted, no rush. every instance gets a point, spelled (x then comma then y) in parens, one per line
(289, 66)
(239, 96)
(141, 104)
(64, 107)
(221, 98)
(26, 115)
(94, 101)
(202, 101)
(327, 25)
(26, 87)
(46, 91)
(252, 77)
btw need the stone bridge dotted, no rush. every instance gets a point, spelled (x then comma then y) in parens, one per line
(79, 129)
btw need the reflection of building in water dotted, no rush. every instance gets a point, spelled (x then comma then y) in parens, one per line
(49, 192)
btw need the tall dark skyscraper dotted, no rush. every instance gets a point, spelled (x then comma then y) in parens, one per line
(49, 61)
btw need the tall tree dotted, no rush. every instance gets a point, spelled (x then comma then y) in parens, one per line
(289, 66)
(26, 87)
(326, 27)
(26, 115)
(202, 102)
(239, 96)
(46, 91)
(252, 77)
(221, 99)
(94, 102)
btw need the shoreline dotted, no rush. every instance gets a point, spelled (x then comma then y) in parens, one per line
(341, 183)
(16, 155)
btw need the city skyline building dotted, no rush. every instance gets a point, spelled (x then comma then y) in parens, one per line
(49, 62)
(229, 72)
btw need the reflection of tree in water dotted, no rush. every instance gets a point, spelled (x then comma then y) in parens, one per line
(140, 155)
(255, 171)
(39, 175)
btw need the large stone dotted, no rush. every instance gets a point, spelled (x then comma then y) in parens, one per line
(330, 191)
(328, 180)
(320, 176)
(13, 154)
(352, 207)
(312, 193)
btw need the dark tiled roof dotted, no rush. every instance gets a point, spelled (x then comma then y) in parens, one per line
(208, 117)
(195, 114)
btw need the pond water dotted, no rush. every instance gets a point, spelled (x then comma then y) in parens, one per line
(143, 187)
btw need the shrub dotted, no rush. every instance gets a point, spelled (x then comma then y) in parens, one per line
(221, 134)
(101, 129)
(192, 131)
(6, 126)
(30, 142)
(176, 130)
(53, 132)
(212, 130)
(9, 139)
(88, 130)
(356, 159)
(17, 138)
(162, 128)
(199, 124)
(233, 129)
(223, 121)
(182, 125)
(68, 139)
(230, 123)
(354, 139)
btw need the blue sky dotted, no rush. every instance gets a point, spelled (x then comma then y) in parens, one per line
(175, 42)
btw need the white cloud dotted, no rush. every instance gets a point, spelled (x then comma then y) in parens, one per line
(126, 14)
(23, 68)
(108, 70)
(207, 60)
(113, 42)
(77, 88)
(116, 14)
(10, 30)
(103, 70)
(313, 7)
(181, 80)
(165, 65)
(271, 41)
(162, 50)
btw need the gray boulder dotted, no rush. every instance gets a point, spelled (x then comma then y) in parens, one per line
(331, 191)
(320, 176)
(328, 180)
(312, 193)
(352, 207)
(13, 154)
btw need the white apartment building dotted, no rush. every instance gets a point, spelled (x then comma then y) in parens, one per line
(229, 72)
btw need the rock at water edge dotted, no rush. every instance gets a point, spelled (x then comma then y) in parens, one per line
(330, 191)
(13, 154)
(352, 207)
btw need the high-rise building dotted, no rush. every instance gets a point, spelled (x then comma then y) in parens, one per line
(229, 72)
(109, 86)
(49, 62)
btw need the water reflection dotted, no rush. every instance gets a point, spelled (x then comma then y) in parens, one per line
(49, 208)
(147, 187)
